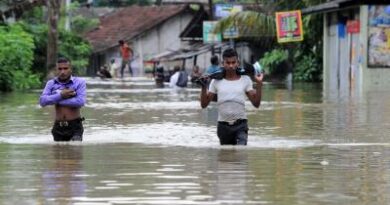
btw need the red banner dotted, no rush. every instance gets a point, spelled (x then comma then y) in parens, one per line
(289, 26)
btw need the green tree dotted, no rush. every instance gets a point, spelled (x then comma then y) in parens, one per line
(74, 47)
(16, 58)
(71, 44)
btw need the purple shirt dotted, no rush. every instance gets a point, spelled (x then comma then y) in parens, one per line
(52, 93)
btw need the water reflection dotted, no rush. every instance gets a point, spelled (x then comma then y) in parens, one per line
(62, 176)
(231, 176)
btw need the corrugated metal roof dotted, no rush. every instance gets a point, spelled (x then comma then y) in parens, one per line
(340, 4)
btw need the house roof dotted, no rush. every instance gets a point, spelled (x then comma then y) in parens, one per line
(194, 30)
(335, 5)
(129, 22)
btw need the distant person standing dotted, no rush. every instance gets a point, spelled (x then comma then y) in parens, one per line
(113, 68)
(179, 78)
(127, 54)
(67, 93)
(214, 67)
(196, 74)
(159, 74)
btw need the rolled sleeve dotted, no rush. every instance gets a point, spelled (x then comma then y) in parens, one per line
(47, 98)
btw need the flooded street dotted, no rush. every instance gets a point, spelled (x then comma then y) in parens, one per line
(148, 145)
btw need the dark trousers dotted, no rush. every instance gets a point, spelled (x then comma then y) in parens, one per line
(233, 134)
(71, 130)
(124, 63)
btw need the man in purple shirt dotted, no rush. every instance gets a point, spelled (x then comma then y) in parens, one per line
(67, 93)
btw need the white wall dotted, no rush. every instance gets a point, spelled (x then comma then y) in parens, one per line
(163, 37)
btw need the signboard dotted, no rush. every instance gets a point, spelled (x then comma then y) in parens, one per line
(379, 36)
(353, 26)
(225, 10)
(208, 35)
(231, 32)
(289, 26)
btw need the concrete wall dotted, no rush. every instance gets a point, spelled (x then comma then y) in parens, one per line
(163, 38)
(159, 39)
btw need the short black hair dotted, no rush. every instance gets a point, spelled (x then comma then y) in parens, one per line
(121, 42)
(228, 53)
(176, 68)
(63, 60)
(214, 60)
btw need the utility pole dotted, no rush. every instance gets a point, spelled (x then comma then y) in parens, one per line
(211, 18)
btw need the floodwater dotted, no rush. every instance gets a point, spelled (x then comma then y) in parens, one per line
(148, 145)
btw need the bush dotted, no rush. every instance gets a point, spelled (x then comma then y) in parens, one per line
(16, 58)
(82, 25)
(271, 60)
(76, 49)
(307, 69)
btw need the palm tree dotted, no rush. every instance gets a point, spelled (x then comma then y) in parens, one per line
(258, 24)
(259, 19)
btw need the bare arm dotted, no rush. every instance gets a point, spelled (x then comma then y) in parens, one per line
(255, 95)
(205, 97)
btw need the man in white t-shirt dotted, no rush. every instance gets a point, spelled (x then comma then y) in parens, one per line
(232, 91)
(175, 77)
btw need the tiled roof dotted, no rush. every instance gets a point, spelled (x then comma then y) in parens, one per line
(127, 23)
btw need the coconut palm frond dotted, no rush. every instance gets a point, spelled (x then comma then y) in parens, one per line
(249, 23)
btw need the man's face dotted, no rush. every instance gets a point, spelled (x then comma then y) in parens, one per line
(230, 63)
(64, 71)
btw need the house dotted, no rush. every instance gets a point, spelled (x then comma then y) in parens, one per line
(150, 30)
(171, 34)
(356, 46)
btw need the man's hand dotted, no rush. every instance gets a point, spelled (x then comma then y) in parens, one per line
(259, 78)
(68, 93)
(203, 81)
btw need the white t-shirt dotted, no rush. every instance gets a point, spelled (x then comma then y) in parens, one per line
(231, 97)
(173, 80)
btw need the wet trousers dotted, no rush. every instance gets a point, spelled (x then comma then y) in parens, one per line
(233, 133)
(71, 130)
(124, 63)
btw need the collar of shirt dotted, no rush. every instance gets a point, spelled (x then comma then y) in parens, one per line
(70, 81)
